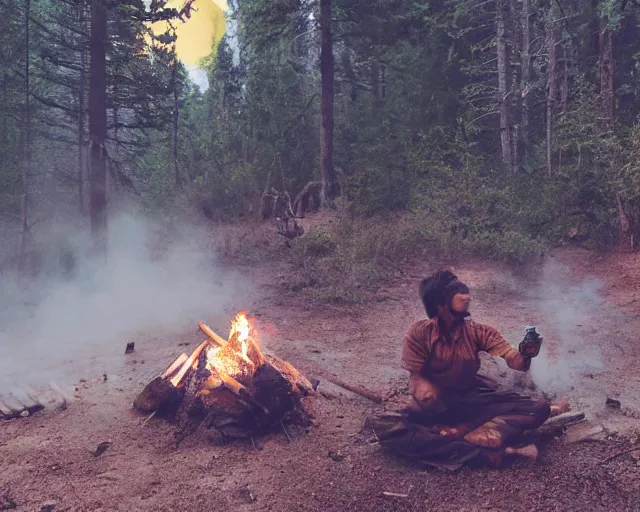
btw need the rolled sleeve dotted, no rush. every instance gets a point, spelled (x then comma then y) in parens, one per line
(414, 350)
(492, 342)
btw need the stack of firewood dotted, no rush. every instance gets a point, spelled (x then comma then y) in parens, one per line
(229, 388)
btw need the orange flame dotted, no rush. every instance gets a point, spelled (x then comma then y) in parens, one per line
(241, 327)
(233, 358)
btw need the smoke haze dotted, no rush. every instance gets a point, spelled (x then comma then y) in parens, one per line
(569, 311)
(80, 307)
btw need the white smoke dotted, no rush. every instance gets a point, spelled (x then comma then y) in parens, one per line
(80, 308)
(568, 310)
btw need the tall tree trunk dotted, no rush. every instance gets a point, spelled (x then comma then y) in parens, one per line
(606, 73)
(525, 78)
(81, 116)
(564, 83)
(503, 84)
(116, 71)
(98, 126)
(375, 79)
(26, 143)
(176, 113)
(552, 86)
(330, 187)
(3, 111)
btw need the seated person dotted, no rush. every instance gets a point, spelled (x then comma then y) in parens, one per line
(456, 415)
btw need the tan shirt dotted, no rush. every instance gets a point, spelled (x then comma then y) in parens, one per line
(454, 363)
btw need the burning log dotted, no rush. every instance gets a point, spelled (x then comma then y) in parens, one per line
(229, 388)
(175, 380)
(210, 332)
(180, 360)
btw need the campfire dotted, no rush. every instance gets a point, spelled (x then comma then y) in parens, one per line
(230, 388)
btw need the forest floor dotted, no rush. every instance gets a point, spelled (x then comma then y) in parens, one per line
(587, 307)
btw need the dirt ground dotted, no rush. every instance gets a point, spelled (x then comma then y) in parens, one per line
(587, 307)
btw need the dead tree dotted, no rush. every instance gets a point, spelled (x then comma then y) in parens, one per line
(82, 159)
(278, 205)
(330, 186)
(503, 83)
(309, 199)
(175, 114)
(625, 226)
(26, 144)
(525, 78)
(606, 64)
(552, 86)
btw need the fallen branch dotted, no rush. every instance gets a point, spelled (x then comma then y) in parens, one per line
(149, 418)
(285, 431)
(619, 454)
(358, 390)
(395, 494)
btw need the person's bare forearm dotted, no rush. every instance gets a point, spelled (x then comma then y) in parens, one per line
(424, 392)
(516, 361)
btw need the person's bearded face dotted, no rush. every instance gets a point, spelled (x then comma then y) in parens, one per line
(460, 303)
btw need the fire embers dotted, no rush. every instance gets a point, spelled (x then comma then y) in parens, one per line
(229, 388)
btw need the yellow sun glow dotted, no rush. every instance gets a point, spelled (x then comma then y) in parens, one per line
(199, 33)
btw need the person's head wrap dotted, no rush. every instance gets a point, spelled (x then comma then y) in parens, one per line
(438, 289)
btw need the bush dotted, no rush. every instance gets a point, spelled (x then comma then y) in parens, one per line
(349, 260)
(316, 243)
(510, 247)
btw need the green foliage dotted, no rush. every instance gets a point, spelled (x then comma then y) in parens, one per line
(629, 180)
(348, 260)
(417, 125)
(317, 243)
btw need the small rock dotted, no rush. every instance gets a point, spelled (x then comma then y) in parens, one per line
(337, 456)
(48, 506)
(101, 448)
(246, 495)
(7, 503)
(584, 432)
(24, 414)
(130, 348)
(613, 403)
